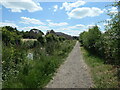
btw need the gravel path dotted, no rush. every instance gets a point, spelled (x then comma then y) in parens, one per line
(73, 73)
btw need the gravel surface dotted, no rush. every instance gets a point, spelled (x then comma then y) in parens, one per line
(73, 73)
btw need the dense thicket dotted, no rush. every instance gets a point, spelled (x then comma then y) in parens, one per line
(10, 35)
(105, 44)
(19, 70)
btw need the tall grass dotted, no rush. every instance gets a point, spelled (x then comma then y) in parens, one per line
(104, 75)
(34, 73)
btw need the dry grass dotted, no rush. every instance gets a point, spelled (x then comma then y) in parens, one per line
(104, 75)
(28, 40)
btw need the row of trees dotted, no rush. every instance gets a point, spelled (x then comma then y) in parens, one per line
(11, 36)
(107, 44)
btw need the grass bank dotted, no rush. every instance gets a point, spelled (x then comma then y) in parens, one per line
(103, 75)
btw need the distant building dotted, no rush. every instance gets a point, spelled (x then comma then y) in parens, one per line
(59, 34)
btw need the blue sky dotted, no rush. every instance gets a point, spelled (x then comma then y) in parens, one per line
(68, 17)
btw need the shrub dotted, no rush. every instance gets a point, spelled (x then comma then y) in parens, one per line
(107, 44)
(90, 38)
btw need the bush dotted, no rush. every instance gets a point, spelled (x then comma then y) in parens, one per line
(10, 36)
(90, 38)
(107, 44)
(20, 72)
(41, 40)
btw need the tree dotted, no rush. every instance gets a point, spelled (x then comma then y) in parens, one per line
(10, 36)
(81, 37)
(41, 40)
(112, 37)
(89, 39)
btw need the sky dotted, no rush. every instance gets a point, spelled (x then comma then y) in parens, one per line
(68, 17)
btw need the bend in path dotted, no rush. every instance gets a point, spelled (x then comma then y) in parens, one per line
(74, 73)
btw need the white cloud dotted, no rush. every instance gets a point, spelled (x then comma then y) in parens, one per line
(91, 25)
(42, 28)
(108, 19)
(75, 30)
(52, 24)
(21, 5)
(55, 8)
(79, 13)
(8, 24)
(71, 30)
(27, 28)
(48, 20)
(27, 20)
(113, 10)
(69, 6)
(78, 26)
(36, 27)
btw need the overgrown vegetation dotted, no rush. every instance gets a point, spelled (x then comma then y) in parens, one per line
(106, 46)
(103, 75)
(19, 70)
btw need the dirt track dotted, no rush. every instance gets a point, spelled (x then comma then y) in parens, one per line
(73, 73)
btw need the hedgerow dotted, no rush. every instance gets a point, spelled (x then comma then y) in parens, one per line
(107, 44)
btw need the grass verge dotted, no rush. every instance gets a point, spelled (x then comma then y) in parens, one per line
(103, 75)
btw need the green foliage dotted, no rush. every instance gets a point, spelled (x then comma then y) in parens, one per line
(10, 35)
(41, 40)
(75, 37)
(52, 41)
(112, 39)
(104, 75)
(61, 38)
(89, 39)
(51, 38)
(12, 62)
(20, 72)
(28, 44)
(36, 44)
(32, 34)
(107, 44)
